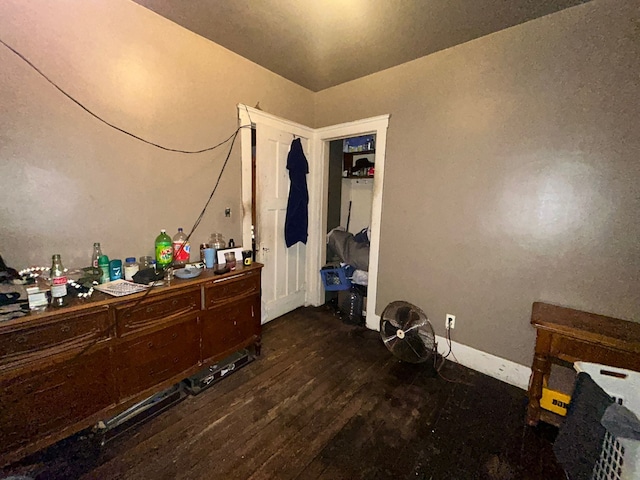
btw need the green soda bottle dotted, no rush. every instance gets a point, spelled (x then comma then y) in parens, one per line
(164, 250)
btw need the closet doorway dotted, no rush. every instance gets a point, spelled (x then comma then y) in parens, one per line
(365, 183)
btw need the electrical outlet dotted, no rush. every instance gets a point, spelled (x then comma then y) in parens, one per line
(227, 212)
(450, 321)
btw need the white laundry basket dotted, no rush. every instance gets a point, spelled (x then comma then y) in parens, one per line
(619, 457)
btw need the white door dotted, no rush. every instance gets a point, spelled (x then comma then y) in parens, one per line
(284, 273)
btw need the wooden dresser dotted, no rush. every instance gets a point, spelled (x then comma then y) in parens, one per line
(63, 370)
(568, 335)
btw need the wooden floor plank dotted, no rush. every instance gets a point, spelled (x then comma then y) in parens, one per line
(325, 401)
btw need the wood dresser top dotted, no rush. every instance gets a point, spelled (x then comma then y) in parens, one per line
(99, 299)
(591, 327)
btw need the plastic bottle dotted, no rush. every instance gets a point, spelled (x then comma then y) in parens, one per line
(217, 243)
(58, 282)
(103, 264)
(97, 251)
(164, 250)
(181, 248)
(130, 268)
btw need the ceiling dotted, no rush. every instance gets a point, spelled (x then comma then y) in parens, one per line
(322, 43)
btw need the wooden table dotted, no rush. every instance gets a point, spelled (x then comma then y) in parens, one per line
(565, 334)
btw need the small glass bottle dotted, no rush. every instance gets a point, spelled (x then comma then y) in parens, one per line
(58, 282)
(97, 251)
(145, 262)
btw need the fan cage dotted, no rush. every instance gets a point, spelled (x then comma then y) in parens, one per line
(407, 333)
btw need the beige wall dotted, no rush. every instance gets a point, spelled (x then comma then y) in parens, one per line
(68, 180)
(512, 174)
(512, 168)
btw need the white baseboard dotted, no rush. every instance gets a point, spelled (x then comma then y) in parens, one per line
(496, 367)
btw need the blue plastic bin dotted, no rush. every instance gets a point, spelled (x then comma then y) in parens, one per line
(335, 278)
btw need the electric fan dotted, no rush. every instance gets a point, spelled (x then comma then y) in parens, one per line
(407, 332)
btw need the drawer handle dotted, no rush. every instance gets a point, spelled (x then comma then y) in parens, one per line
(175, 360)
(174, 303)
(174, 336)
(149, 309)
(65, 328)
(21, 339)
(150, 344)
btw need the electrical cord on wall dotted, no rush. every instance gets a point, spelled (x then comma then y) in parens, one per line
(129, 309)
(99, 118)
(231, 138)
(444, 357)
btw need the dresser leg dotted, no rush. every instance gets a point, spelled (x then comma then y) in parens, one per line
(258, 346)
(539, 370)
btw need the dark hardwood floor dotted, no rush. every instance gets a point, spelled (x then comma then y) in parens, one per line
(324, 401)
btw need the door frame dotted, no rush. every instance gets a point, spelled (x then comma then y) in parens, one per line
(318, 185)
(316, 255)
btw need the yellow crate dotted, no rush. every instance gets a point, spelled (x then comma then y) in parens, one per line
(554, 401)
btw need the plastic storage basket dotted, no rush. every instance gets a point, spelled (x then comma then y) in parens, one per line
(335, 278)
(619, 457)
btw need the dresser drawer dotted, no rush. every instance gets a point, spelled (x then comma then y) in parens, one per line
(132, 317)
(29, 342)
(228, 327)
(231, 288)
(156, 357)
(40, 402)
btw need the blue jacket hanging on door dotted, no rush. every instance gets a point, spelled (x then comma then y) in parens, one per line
(297, 220)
